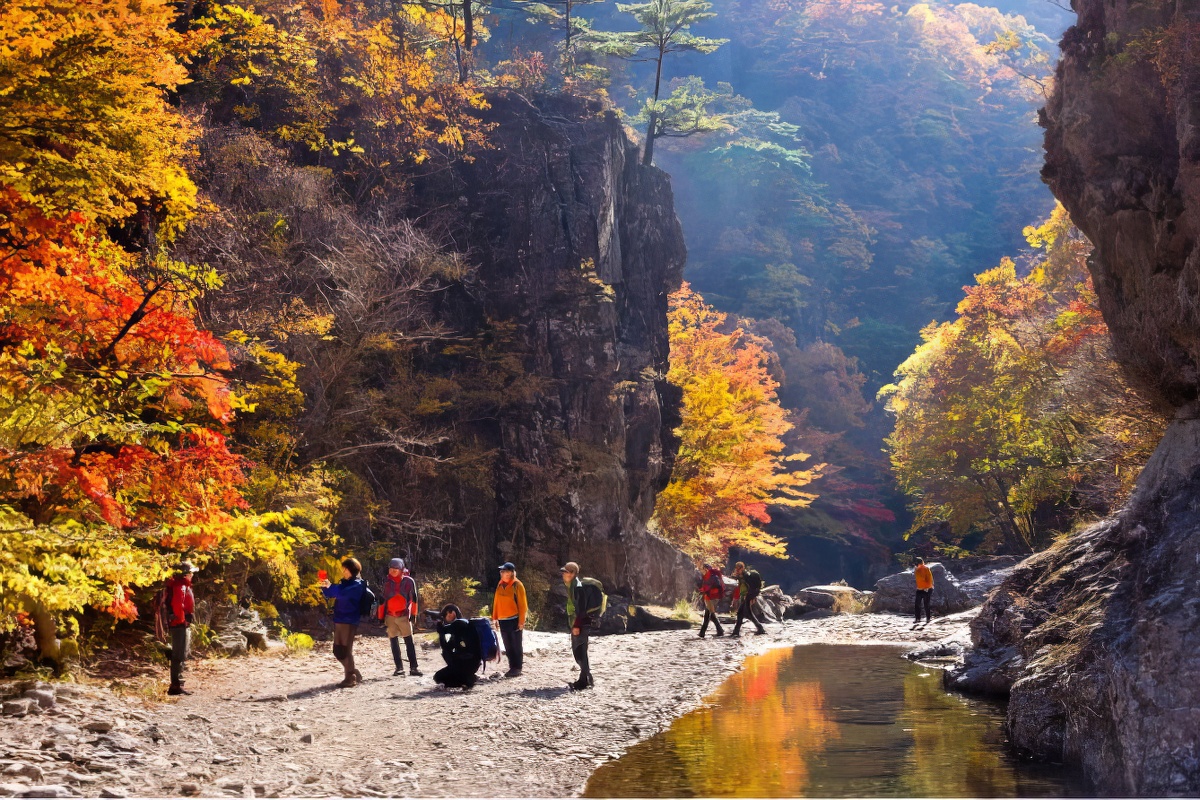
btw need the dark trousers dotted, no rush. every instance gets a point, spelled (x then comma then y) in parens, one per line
(710, 615)
(458, 675)
(180, 640)
(343, 645)
(512, 635)
(749, 610)
(924, 596)
(579, 649)
(410, 647)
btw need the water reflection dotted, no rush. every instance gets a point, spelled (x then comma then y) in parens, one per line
(831, 721)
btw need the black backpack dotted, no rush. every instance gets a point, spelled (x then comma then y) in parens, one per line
(367, 601)
(753, 581)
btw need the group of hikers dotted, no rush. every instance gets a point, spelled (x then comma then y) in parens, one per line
(466, 643)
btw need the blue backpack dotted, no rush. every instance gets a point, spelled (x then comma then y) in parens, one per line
(489, 645)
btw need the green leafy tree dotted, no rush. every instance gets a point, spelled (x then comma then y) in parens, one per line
(665, 28)
(1013, 420)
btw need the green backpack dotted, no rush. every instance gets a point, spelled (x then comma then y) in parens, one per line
(603, 597)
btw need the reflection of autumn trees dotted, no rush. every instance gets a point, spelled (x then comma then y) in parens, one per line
(756, 739)
(827, 720)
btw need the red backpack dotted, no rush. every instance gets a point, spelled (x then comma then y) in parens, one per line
(714, 585)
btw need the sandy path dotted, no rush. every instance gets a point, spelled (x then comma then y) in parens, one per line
(279, 726)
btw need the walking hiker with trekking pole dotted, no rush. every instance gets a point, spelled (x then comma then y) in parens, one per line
(749, 585)
(175, 608)
(712, 589)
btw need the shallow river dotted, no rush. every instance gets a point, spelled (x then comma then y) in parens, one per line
(832, 721)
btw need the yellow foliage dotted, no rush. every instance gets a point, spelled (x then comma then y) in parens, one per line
(731, 465)
(86, 126)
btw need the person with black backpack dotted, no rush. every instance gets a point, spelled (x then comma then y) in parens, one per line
(461, 650)
(749, 586)
(585, 606)
(352, 599)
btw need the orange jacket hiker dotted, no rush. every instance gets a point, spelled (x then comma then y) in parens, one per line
(510, 602)
(924, 577)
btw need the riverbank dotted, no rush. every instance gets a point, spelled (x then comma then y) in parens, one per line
(278, 726)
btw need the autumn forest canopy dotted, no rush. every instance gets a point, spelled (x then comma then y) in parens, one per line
(238, 322)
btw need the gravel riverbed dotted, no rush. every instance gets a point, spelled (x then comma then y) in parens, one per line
(278, 726)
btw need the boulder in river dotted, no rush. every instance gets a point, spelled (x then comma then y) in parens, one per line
(896, 593)
(836, 597)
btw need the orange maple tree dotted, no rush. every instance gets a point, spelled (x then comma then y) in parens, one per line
(732, 465)
(111, 409)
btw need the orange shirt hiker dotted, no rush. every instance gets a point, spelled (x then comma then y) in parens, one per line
(924, 577)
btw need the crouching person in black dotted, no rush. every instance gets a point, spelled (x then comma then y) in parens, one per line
(460, 649)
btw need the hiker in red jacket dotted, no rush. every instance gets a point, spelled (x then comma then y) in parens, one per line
(399, 612)
(177, 605)
(712, 589)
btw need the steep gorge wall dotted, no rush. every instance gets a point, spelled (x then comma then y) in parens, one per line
(1097, 641)
(577, 247)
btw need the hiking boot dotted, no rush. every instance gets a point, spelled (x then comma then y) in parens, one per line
(177, 690)
(415, 673)
(399, 671)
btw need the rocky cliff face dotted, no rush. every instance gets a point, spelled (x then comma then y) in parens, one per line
(577, 247)
(1097, 641)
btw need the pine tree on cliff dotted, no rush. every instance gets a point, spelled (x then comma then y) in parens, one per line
(666, 28)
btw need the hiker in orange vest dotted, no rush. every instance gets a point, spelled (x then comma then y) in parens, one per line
(509, 608)
(399, 611)
(924, 577)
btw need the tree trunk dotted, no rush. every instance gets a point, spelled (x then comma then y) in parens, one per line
(648, 157)
(1012, 531)
(45, 631)
(464, 63)
(567, 57)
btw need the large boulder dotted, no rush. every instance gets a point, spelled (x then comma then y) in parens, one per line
(642, 619)
(237, 630)
(616, 616)
(896, 593)
(836, 597)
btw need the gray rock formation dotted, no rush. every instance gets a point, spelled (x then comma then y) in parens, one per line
(1097, 641)
(578, 246)
(895, 593)
(836, 597)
